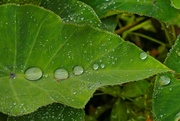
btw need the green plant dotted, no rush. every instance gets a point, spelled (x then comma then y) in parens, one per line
(63, 51)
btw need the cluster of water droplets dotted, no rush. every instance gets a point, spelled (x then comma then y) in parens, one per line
(96, 66)
(35, 73)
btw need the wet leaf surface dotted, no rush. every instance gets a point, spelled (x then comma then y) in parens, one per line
(159, 9)
(37, 39)
(166, 92)
(53, 112)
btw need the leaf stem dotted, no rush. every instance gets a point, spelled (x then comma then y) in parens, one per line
(169, 32)
(121, 30)
(149, 38)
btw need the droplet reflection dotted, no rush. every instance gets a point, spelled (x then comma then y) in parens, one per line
(33, 73)
(143, 55)
(61, 74)
(78, 70)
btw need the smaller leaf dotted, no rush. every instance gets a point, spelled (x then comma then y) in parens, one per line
(73, 11)
(112, 90)
(135, 89)
(172, 61)
(109, 23)
(159, 9)
(166, 98)
(53, 112)
(119, 111)
(175, 4)
(166, 91)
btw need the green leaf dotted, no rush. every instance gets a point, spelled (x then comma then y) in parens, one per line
(71, 61)
(166, 98)
(134, 89)
(159, 9)
(109, 23)
(54, 112)
(112, 90)
(35, 2)
(175, 4)
(73, 11)
(166, 92)
(172, 60)
(119, 111)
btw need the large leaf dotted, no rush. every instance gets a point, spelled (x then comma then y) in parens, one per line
(44, 60)
(166, 93)
(54, 112)
(159, 9)
(73, 11)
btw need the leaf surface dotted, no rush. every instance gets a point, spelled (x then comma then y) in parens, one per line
(175, 4)
(35, 43)
(159, 9)
(53, 112)
(73, 11)
(35, 2)
(166, 92)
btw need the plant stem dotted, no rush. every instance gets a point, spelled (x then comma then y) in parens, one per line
(149, 38)
(121, 30)
(169, 32)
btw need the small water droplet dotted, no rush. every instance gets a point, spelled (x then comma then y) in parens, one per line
(33, 73)
(102, 66)
(177, 117)
(143, 55)
(12, 75)
(164, 80)
(46, 75)
(95, 66)
(61, 74)
(78, 70)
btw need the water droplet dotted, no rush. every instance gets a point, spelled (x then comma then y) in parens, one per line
(61, 74)
(164, 80)
(95, 66)
(102, 66)
(143, 55)
(177, 117)
(12, 75)
(78, 70)
(33, 73)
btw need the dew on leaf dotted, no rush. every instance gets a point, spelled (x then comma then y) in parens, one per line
(143, 55)
(33, 73)
(95, 66)
(164, 80)
(78, 70)
(61, 74)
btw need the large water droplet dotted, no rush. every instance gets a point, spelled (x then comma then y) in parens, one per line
(95, 66)
(164, 80)
(61, 74)
(33, 73)
(78, 70)
(177, 117)
(143, 55)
